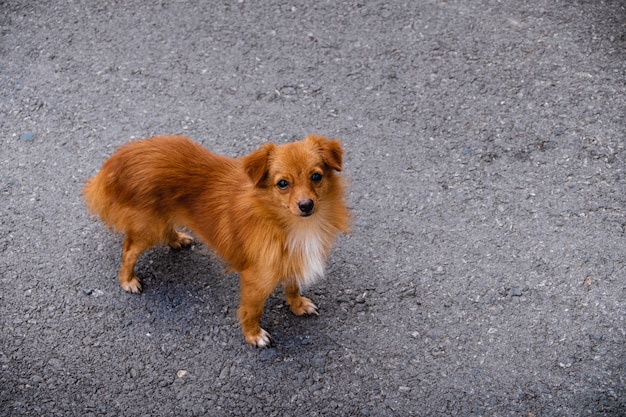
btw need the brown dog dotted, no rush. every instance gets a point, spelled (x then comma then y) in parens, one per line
(272, 215)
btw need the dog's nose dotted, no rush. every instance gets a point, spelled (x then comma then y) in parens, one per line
(306, 206)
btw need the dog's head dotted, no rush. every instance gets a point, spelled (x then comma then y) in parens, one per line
(298, 174)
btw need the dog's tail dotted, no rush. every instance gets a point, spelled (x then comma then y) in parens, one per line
(97, 198)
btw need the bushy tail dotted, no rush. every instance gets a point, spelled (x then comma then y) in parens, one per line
(96, 197)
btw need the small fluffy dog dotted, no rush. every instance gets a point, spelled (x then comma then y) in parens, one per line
(272, 215)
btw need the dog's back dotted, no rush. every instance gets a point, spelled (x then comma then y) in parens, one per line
(154, 178)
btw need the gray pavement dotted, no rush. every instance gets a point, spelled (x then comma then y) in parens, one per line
(485, 147)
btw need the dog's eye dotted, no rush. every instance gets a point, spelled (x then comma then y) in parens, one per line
(282, 184)
(316, 177)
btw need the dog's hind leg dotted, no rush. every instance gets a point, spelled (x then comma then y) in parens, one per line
(132, 248)
(177, 239)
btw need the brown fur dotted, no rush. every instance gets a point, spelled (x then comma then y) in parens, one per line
(268, 233)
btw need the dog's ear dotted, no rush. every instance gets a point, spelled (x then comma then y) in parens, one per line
(331, 150)
(256, 163)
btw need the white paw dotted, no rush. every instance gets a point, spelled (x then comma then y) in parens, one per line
(132, 286)
(261, 339)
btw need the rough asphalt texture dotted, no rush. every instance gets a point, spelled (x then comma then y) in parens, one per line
(485, 143)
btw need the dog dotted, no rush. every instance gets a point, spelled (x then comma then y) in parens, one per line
(271, 215)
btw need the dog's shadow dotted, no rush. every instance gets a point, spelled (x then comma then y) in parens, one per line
(184, 286)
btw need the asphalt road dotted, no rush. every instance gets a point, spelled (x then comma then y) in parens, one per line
(485, 147)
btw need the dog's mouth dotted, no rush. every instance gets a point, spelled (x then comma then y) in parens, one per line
(309, 214)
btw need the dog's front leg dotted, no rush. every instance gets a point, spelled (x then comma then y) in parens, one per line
(255, 288)
(298, 304)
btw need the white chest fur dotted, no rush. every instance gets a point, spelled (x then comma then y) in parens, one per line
(307, 247)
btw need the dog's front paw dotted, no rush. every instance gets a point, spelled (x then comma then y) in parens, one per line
(133, 285)
(261, 339)
(301, 306)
